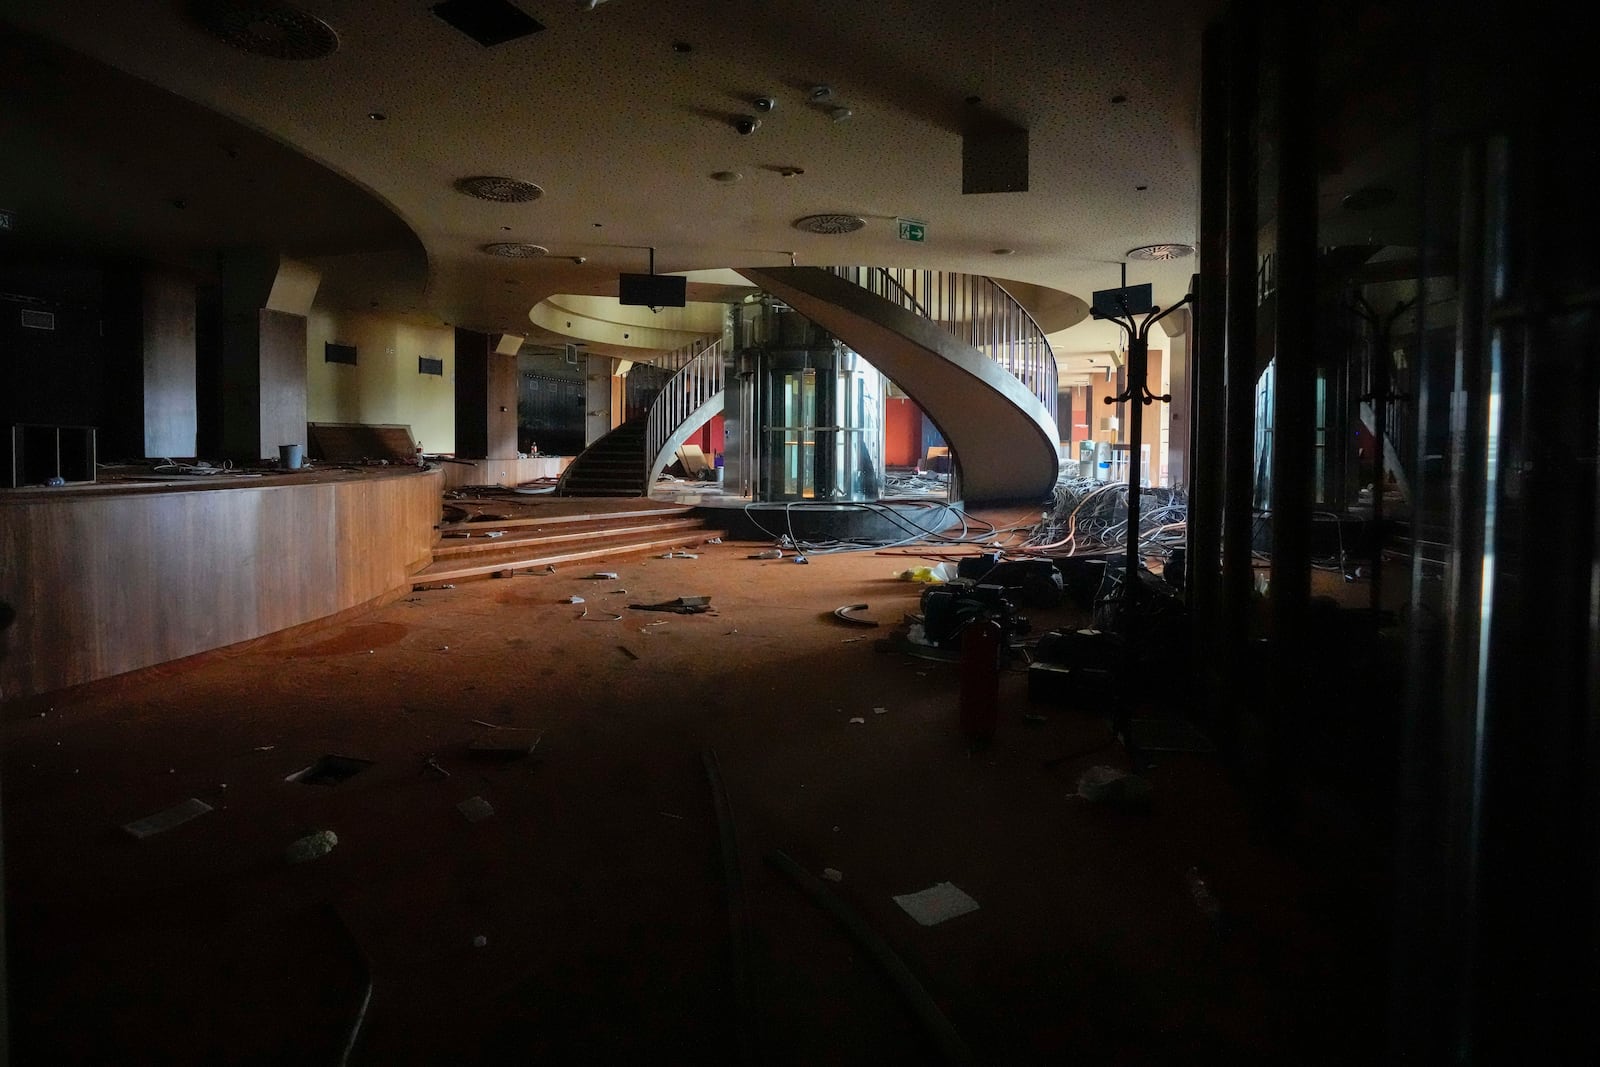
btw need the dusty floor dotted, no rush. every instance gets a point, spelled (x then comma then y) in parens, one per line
(596, 883)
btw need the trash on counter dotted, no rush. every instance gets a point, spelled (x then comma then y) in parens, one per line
(163, 821)
(936, 904)
(311, 846)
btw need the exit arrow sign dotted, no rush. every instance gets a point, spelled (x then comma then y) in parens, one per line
(912, 231)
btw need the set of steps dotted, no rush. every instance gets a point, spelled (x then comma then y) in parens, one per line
(481, 549)
(612, 466)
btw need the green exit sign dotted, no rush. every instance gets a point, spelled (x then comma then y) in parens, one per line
(912, 231)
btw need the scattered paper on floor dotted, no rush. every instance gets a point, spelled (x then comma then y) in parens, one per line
(936, 904)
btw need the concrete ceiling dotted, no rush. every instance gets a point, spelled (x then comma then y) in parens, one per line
(622, 131)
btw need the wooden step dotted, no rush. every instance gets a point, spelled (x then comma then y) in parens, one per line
(456, 570)
(591, 516)
(529, 539)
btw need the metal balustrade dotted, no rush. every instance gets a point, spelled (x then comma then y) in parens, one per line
(699, 378)
(976, 310)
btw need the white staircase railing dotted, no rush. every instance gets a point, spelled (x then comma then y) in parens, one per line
(699, 378)
(976, 310)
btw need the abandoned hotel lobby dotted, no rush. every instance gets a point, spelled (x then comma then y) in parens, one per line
(798, 532)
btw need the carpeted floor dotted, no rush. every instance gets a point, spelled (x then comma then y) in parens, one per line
(595, 886)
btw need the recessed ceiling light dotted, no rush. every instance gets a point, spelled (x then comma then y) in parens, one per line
(1161, 252)
(1004, 252)
(683, 48)
(820, 92)
(726, 176)
(516, 250)
(499, 189)
(268, 28)
(376, 116)
(830, 224)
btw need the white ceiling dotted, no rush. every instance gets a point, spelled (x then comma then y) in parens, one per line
(622, 132)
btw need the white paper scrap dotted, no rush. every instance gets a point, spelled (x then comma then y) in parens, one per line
(176, 815)
(936, 904)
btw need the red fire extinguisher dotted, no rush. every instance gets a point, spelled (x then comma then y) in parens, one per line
(981, 644)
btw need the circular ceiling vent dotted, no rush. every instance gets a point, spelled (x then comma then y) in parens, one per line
(1157, 252)
(516, 250)
(500, 190)
(268, 28)
(830, 224)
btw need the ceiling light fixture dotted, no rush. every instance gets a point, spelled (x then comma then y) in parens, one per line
(516, 250)
(498, 189)
(269, 28)
(830, 224)
(1163, 252)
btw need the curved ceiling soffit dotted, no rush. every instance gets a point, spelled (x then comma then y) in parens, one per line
(115, 163)
(629, 336)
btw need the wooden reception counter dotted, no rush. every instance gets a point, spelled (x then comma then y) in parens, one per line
(111, 577)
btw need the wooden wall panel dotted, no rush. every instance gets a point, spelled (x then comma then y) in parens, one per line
(104, 584)
(501, 401)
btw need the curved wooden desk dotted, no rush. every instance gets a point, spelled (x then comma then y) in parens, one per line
(109, 578)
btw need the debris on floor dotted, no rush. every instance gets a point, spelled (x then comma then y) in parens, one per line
(626, 651)
(936, 904)
(832, 875)
(609, 576)
(311, 846)
(713, 540)
(572, 600)
(771, 553)
(1115, 789)
(329, 770)
(1204, 899)
(480, 941)
(846, 614)
(683, 605)
(941, 572)
(858, 719)
(432, 764)
(880, 711)
(162, 821)
(475, 809)
(507, 742)
(801, 559)
(431, 588)
(680, 554)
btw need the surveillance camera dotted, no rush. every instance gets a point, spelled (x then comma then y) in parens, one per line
(765, 103)
(746, 125)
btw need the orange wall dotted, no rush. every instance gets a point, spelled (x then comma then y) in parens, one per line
(902, 432)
